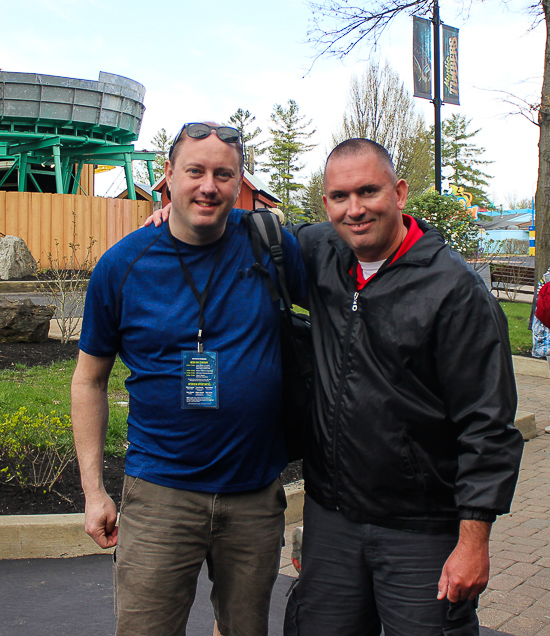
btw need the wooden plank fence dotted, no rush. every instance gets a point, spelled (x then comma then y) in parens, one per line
(47, 225)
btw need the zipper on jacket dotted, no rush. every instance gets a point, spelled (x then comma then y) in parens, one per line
(341, 384)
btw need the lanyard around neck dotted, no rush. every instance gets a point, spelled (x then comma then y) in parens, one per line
(201, 298)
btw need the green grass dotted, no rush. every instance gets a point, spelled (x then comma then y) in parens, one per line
(518, 321)
(47, 389)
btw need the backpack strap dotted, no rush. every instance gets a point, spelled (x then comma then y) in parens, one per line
(266, 233)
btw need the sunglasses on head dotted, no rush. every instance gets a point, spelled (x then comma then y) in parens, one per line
(201, 131)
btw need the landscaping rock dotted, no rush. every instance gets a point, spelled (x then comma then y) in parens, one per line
(24, 321)
(16, 261)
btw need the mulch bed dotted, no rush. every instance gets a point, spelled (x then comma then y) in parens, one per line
(36, 353)
(67, 496)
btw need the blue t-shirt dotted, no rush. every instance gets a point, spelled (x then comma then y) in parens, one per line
(140, 306)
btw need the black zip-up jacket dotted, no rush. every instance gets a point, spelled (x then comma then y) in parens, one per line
(415, 391)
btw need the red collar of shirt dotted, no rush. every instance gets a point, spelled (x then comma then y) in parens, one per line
(413, 234)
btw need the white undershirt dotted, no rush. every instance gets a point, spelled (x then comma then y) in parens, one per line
(370, 268)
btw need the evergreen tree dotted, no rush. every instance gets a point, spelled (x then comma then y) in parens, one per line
(289, 137)
(463, 158)
(242, 120)
(312, 198)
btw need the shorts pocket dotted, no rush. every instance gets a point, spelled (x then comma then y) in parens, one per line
(281, 494)
(128, 488)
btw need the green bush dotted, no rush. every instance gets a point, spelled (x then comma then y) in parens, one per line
(35, 450)
(448, 216)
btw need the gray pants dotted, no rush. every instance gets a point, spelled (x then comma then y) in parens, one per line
(357, 578)
(166, 534)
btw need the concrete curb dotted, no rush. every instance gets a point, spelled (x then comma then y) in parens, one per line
(59, 536)
(530, 366)
(29, 286)
(525, 423)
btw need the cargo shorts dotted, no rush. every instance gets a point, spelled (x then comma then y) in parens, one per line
(165, 536)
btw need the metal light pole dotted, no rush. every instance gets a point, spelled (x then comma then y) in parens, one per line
(437, 97)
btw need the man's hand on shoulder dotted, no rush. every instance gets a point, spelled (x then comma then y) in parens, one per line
(159, 216)
(100, 520)
(466, 571)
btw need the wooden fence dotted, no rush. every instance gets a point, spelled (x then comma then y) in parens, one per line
(49, 223)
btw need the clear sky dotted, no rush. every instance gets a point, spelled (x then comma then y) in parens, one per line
(202, 61)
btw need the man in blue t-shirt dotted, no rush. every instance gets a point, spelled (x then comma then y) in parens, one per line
(196, 326)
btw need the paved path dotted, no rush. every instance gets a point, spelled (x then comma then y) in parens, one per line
(517, 599)
(534, 396)
(69, 597)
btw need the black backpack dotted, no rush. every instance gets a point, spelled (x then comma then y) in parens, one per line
(296, 344)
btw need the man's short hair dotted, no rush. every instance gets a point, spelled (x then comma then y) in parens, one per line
(359, 146)
(175, 150)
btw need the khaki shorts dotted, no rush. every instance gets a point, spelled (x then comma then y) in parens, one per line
(166, 534)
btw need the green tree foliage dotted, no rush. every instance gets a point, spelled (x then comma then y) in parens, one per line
(461, 159)
(312, 198)
(380, 108)
(416, 164)
(289, 136)
(242, 120)
(449, 216)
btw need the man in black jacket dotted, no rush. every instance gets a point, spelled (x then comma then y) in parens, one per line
(413, 451)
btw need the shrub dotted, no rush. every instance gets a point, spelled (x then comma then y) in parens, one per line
(35, 450)
(449, 216)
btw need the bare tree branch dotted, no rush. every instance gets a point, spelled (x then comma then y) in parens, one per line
(528, 109)
(348, 25)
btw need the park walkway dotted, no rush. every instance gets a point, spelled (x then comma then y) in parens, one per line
(517, 599)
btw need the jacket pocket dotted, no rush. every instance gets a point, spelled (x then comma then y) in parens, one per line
(412, 462)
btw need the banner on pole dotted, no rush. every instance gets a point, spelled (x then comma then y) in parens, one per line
(422, 57)
(450, 65)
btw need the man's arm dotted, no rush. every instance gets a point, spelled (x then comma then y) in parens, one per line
(466, 571)
(480, 398)
(90, 416)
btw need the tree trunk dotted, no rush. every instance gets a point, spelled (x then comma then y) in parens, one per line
(542, 199)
